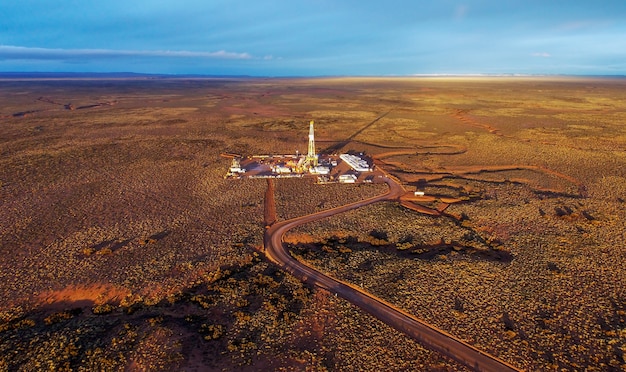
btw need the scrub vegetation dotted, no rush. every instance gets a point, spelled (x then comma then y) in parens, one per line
(123, 248)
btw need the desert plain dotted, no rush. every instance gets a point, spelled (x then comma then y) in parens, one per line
(124, 248)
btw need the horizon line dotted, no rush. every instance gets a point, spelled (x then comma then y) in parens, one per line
(32, 75)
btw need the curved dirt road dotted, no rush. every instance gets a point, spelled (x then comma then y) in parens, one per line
(424, 333)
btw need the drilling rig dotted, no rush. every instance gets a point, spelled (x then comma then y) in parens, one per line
(311, 156)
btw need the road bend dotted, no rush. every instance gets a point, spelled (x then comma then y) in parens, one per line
(428, 335)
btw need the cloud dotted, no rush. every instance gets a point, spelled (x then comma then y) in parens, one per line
(581, 25)
(460, 11)
(18, 52)
(541, 54)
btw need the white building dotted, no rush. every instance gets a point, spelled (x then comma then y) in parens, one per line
(358, 164)
(347, 178)
(320, 170)
(281, 169)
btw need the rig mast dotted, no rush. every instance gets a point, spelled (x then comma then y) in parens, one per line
(311, 156)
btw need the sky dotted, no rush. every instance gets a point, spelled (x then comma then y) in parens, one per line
(315, 37)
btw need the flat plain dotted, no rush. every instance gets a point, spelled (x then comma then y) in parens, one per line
(124, 248)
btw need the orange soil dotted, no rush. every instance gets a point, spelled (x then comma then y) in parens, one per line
(419, 208)
(443, 206)
(269, 212)
(417, 198)
(82, 295)
(464, 118)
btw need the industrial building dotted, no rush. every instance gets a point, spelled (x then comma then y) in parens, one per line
(356, 162)
(347, 178)
(320, 169)
(281, 169)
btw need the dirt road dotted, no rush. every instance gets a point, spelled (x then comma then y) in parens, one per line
(424, 333)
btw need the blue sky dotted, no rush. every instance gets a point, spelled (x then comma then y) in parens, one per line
(315, 37)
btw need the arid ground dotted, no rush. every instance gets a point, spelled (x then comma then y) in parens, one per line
(122, 247)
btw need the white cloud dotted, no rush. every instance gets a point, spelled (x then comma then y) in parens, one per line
(18, 52)
(460, 11)
(582, 25)
(541, 54)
